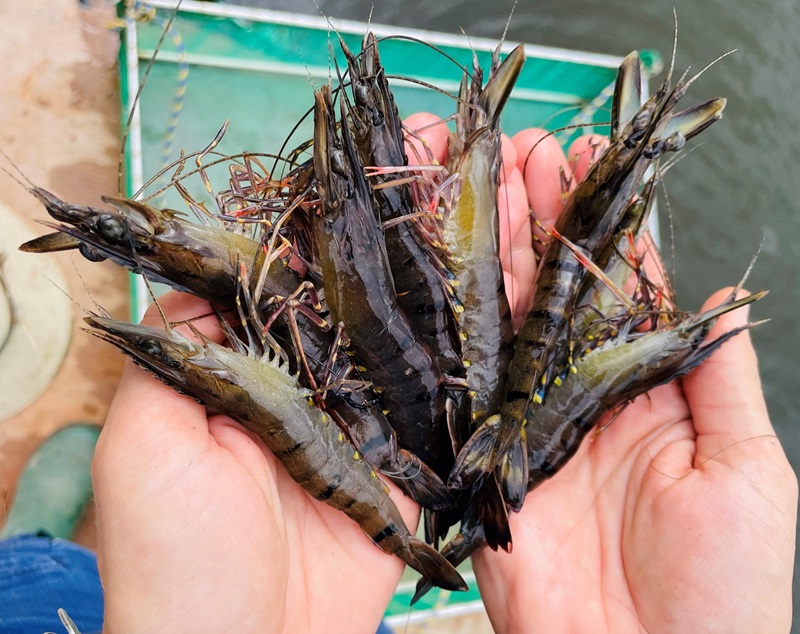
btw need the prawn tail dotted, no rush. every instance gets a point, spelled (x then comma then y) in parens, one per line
(478, 456)
(420, 482)
(493, 516)
(513, 474)
(470, 538)
(423, 587)
(425, 560)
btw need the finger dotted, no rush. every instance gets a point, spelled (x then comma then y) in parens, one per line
(584, 152)
(516, 246)
(182, 309)
(544, 168)
(512, 206)
(724, 393)
(654, 276)
(521, 291)
(144, 408)
(427, 142)
(509, 157)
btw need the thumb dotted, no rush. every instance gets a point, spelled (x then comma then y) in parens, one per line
(724, 394)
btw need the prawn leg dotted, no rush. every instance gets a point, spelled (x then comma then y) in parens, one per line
(589, 220)
(265, 399)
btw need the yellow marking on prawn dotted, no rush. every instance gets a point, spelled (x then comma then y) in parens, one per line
(356, 456)
(341, 437)
(462, 335)
(467, 363)
(455, 283)
(323, 419)
(309, 401)
(361, 368)
(385, 412)
(459, 308)
(373, 474)
(472, 393)
(524, 422)
(544, 379)
(557, 381)
(537, 398)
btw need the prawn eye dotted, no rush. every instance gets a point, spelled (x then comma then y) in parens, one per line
(641, 120)
(639, 124)
(674, 142)
(111, 228)
(337, 162)
(361, 94)
(150, 347)
(90, 253)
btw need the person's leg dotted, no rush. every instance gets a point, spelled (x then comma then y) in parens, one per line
(39, 575)
(39, 572)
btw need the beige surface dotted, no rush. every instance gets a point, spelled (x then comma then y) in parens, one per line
(36, 319)
(59, 123)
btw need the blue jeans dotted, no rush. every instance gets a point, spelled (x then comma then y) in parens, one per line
(39, 575)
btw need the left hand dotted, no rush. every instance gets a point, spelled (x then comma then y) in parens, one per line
(680, 517)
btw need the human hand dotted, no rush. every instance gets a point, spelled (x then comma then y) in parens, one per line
(679, 517)
(201, 530)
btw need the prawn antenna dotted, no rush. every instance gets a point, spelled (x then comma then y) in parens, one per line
(331, 28)
(573, 126)
(30, 184)
(410, 38)
(709, 65)
(70, 298)
(672, 259)
(508, 24)
(142, 83)
(135, 255)
(512, 295)
(749, 270)
(671, 68)
(102, 310)
(471, 48)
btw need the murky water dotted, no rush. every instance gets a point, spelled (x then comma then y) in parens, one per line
(734, 189)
